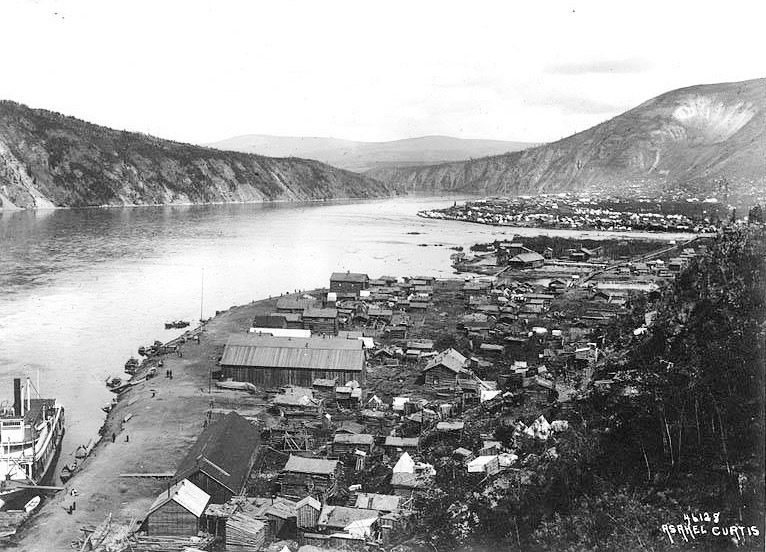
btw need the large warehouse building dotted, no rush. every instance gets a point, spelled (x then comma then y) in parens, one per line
(269, 361)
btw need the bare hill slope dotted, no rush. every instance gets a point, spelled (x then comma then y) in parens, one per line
(688, 138)
(51, 160)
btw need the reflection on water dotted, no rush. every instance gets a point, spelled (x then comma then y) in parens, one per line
(80, 290)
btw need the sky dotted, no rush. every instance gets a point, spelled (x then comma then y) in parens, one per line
(200, 71)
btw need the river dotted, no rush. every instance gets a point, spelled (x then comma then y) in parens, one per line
(81, 289)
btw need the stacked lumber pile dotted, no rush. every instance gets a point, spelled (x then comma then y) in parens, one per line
(244, 533)
(155, 543)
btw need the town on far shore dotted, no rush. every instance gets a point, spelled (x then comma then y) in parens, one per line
(332, 418)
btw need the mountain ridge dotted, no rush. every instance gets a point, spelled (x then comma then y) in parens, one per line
(363, 156)
(52, 160)
(690, 138)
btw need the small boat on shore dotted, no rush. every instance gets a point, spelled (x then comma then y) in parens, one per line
(68, 471)
(176, 324)
(33, 503)
(131, 366)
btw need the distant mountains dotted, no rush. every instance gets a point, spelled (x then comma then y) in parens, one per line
(365, 156)
(701, 139)
(51, 160)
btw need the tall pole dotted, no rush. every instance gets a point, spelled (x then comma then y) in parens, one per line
(201, 294)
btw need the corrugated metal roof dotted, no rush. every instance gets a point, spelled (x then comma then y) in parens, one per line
(185, 493)
(313, 353)
(310, 465)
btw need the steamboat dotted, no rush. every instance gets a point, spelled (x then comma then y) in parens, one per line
(30, 437)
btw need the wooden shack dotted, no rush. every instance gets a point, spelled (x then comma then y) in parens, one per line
(315, 477)
(393, 445)
(273, 361)
(177, 511)
(307, 512)
(296, 305)
(321, 321)
(244, 533)
(220, 460)
(347, 443)
(446, 368)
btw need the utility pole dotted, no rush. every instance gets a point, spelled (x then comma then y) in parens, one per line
(201, 294)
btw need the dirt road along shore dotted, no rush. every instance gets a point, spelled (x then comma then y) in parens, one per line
(167, 417)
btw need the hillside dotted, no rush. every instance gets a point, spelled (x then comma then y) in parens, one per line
(363, 156)
(687, 138)
(51, 160)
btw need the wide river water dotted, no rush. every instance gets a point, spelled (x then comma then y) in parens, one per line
(81, 289)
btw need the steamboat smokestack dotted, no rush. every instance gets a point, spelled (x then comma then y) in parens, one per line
(17, 396)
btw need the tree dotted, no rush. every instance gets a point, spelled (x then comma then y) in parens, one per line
(755, 215)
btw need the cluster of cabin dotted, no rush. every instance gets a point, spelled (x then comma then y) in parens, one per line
(323, 366)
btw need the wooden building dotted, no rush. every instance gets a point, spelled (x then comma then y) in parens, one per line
(220, 460)
(348, 283)
(380, 502)
(337, 519)
(446, 368)
(407, 485)
(393, 445)
(321, 321)
(272, 362)
(347, 443)
(526, 260)
(270, 321)
(307, 512)
(177, 511)
(244, 533)
(296, 305)
(315, 477)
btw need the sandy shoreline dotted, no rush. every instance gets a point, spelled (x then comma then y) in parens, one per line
(166, 417)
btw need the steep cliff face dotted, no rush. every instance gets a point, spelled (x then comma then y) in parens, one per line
(685, 138)
(50, 160)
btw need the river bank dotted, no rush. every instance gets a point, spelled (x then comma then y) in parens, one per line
(164, 417)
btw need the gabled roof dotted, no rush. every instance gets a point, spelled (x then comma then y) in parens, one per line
(299, 464)
(315, 353)
(402, 441)
(186, 494)
(374, 501)
(354, 277)
(311, 501)
(353, 438)
(527, 257)
(340, 517)
(450, 359)
(224, 451)
(320, 313)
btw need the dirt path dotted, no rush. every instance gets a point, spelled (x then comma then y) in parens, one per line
(155, 439)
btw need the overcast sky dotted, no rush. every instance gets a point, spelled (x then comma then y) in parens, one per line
(200, 71)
